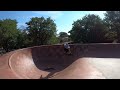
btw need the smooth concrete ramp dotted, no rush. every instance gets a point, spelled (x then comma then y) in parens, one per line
(92, 61)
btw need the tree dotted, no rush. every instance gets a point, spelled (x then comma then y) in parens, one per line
(63, 34)
(8, 34)
(111, 36)
(63, 37)
(112, 20)
(89, 29)
(54, 40)
(22, 39)
(78, 33)
(41, 30)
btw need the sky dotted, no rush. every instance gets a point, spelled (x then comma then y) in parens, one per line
(63, 19)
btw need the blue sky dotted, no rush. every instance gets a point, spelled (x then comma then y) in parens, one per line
(63, 19)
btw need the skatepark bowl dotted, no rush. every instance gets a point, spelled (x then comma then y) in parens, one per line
(88, 61)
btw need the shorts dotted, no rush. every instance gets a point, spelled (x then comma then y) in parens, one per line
(66, 50)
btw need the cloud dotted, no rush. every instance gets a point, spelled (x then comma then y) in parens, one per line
(52, 14)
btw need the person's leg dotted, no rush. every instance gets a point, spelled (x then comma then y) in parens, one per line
(69, 51)
(66, 50)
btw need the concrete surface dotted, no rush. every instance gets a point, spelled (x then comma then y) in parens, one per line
(88, 61)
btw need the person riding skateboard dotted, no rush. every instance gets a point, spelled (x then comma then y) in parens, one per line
(67, 49)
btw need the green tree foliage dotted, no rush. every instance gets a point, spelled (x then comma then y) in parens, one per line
(54, 40)
(112, 20)
(22, 39)
(63, 34)
(8, 34)
(63, 37)
(41, 30)
(111, 36)
(89, 29)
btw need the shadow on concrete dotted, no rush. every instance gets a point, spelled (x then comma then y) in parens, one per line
(54, 57)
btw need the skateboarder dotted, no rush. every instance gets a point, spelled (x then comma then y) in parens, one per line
(67, 49)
